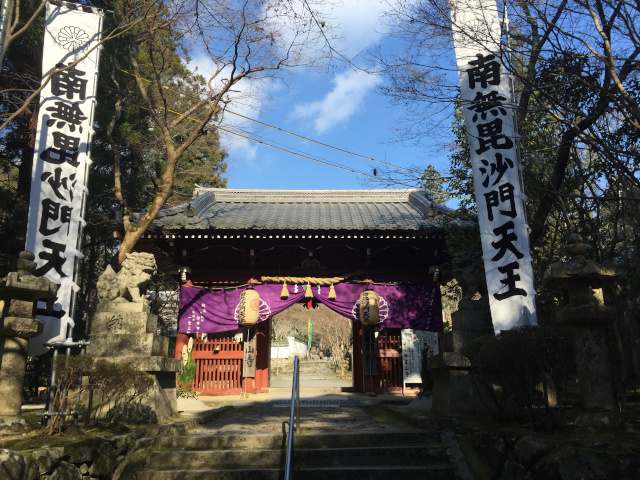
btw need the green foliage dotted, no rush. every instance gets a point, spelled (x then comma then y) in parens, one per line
(462, 233)
(19, 75)
(13, 216)
(186, 376)
(511, 368)
(435, 184)
(118, 389)
(461, 182)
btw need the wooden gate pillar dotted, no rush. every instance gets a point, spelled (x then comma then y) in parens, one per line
(262, 356)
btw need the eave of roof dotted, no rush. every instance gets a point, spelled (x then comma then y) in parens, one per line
(291, 210)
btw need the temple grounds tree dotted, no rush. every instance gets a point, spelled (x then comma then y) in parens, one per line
(242, 41)
(20, 85)
(575, 66)
(335, 332)
(576, 84)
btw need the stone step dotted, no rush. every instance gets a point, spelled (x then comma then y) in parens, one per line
(350, 455)
(220, 442)
(312, 378)
(216, 459)
(212, 474)
(275, 441)
(387, 456)
(431, 472)
(310, 390)
(436, 472)
(384, 456)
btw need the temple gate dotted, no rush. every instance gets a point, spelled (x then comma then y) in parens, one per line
(225, 239)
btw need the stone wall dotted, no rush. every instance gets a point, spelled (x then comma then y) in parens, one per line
(101, 458)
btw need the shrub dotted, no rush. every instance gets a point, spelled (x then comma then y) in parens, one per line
(510, 367)
(186, 376)
(119, 385)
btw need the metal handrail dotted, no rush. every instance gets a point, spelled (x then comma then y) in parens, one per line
(294, 416)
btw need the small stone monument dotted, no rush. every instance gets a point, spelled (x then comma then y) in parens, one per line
(454, 391)
(583, 309)
(123, 330)
(19, 295)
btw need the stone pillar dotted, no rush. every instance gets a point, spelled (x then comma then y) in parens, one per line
(123, 330)
(19, 295)
(454, 391)
(583, 309)
(126, 333)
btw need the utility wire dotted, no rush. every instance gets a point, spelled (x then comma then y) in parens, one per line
(294, 153)
(324, 144)
(315, 159)
(288, 132)
(375, 177)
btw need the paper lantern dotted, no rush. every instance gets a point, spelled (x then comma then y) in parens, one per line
(369, 307)
(249, 307)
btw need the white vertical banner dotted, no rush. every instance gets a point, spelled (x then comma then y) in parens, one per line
(489, 119)
(61, 161)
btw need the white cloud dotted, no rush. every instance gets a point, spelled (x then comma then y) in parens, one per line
(358, 23)
(349, 91)
(245, 98)
(353, 25)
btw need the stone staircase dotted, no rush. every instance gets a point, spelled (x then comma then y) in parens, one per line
(380, 455)
(343, 436)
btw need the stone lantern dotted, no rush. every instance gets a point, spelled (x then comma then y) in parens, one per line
(580, 282)
(19, 295)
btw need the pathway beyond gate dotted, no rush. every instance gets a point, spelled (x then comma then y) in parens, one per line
(315, 373)
(328, 404)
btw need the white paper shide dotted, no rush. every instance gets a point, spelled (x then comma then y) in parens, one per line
(61, 160)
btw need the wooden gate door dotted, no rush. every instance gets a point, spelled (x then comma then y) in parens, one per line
(219, 363)
(389, 363)
(386, 375)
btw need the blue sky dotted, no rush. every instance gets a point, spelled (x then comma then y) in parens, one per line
(343, 108)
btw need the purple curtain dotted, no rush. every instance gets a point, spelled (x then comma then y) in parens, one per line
(411, 306)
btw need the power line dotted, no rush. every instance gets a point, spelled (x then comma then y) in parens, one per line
(292, 152)
(315, 159)
(324, 162)
(288, 132)
(324, 144)
(328, 163)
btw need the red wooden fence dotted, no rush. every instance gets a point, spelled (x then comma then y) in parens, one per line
(219, 363)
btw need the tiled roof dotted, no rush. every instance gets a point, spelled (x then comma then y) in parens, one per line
(240, 209)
